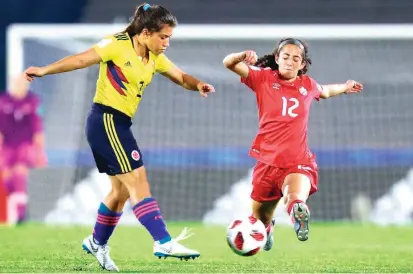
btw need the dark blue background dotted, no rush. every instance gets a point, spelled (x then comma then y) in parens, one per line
(39, 11)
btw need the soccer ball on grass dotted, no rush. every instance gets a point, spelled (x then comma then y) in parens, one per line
(246, 236)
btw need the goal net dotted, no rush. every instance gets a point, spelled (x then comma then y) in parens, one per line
(195, 149)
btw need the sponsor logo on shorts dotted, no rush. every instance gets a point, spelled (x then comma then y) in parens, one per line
(304, 167)
(135, 155)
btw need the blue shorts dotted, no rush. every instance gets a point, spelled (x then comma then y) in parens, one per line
(113, 146)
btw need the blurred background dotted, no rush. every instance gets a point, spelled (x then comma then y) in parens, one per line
(195, 149)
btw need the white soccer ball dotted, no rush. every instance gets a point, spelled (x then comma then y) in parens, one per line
(246, 236)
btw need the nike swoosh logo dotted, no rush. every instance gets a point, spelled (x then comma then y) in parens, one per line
(165, 249)
(91, 247)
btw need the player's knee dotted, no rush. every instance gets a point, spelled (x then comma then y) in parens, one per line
(119, 195)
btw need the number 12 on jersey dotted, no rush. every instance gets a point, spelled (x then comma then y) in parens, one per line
(289, 105)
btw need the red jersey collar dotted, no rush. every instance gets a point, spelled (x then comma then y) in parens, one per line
(297, 82)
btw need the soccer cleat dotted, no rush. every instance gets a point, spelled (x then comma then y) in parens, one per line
(301, 217)
(270, 237)
(174, 249)
(101, 252)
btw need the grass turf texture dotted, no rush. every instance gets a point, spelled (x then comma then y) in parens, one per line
(331, 248)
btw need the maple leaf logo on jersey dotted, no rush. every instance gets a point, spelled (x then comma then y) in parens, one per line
(303, 91)
(116, 78)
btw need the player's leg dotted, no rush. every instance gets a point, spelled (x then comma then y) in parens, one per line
(7, 161)
(265, 198)
(7, 188)
(264, 211)
(145, 207)
(119, 155)
(147, 211)
(15, 172)
(296, 189)
(110, 209)
(18, 196)
(109, 213)
(20, 160)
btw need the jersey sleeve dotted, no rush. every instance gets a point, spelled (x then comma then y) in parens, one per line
(163, 64)
(255, 76)
(316, 89)
(106, 48)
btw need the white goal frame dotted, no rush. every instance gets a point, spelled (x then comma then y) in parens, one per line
(16, 33)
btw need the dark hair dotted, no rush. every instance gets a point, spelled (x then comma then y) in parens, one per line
(150, 17)
(269, 59)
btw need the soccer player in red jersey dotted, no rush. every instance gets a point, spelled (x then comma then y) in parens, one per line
(285, 165)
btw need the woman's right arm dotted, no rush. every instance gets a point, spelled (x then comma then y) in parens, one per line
(238, 62)
(78, 61)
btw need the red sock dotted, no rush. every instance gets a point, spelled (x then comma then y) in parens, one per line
(268, 228)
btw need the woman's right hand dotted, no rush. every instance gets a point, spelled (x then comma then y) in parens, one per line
(250, 57)
(33, 72)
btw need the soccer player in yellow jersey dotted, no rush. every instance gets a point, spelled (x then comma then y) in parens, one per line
(127, 62)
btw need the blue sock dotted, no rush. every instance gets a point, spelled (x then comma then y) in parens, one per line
(149, 215)
(105, 224)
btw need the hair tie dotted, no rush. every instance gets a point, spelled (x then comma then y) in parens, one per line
(146, 6)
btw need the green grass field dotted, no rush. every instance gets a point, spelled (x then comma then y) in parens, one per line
(331, 248)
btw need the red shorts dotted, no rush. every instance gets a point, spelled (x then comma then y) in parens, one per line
(267, 181)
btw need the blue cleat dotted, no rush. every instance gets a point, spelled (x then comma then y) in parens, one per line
(301, 217)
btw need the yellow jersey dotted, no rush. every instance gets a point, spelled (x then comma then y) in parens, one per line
(123, 76)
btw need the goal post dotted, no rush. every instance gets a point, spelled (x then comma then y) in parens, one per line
(196, 150)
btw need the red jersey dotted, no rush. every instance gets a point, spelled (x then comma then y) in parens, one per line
(283, 109)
